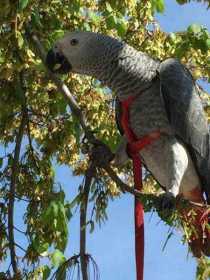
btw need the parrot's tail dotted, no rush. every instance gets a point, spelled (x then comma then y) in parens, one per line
(196, 225)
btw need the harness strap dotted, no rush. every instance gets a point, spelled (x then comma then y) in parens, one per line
(133, 148)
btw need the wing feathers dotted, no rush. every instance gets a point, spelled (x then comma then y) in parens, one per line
(186, 114)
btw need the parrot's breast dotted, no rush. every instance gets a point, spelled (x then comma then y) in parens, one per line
(168, 156)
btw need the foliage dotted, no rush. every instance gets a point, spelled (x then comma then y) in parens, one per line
(203, 269)
(51, 133)
(188, 1)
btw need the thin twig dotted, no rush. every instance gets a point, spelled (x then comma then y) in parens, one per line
(124, 187)
(83, 220)
(23, 232)
(23, 199)
(20, 247)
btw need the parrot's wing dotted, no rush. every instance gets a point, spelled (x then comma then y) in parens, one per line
(118, 115)
(186, 115)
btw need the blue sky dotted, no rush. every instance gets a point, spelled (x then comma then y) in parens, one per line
(178, 17)
(112, 245)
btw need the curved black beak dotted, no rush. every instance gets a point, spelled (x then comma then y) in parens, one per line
(57, 63)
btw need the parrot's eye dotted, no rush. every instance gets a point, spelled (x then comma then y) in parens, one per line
(74, 42)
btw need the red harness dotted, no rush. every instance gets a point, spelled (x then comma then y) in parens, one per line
(133, 148)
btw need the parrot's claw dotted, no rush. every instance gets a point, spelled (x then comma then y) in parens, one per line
(121, 155)
(167, 202)
(119, 159)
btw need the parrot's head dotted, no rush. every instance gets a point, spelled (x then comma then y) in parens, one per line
(81, 52)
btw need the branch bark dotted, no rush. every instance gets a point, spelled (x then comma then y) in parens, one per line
(83, 220)
(11, 203)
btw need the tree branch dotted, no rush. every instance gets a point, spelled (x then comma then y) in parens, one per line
(83, 220)
(124, 187)
(18, 141)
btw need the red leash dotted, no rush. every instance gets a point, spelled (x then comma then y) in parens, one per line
(133, 148)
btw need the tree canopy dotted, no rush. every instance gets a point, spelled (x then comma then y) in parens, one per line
(37, 128)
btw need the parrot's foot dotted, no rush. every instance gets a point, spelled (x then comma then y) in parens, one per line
(121, 156)
(167, 202)
(101, 154)
(119, 159)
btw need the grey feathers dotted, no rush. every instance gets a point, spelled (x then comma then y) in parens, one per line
(186, 114)
(166, 100)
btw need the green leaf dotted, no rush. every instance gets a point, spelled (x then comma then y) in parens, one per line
(55, 209)
(111, 21)
(3, 276)
(172, 37)
(50, 213)
(1, 162)
(23, 4)
(121, 28)
(75, 201)
(62, 212)
(92, 226)
(208, 43)
(42, 248)
(194, 28)
(35, 19)
(77, 130)
(61, 105)
(167, 239)
(2, 58)
(57, 34)
(61, 196)
(94, 17)
(199, 44)
(20, 40)
(57, 258)
(181, 2)
(109, 7)
(68, 211)
(19, 94)
(87, 26)
(158, 5)
(46, 272)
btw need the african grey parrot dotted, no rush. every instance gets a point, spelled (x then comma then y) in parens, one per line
(166, 100)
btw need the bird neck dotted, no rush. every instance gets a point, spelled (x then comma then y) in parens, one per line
(127, 71)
